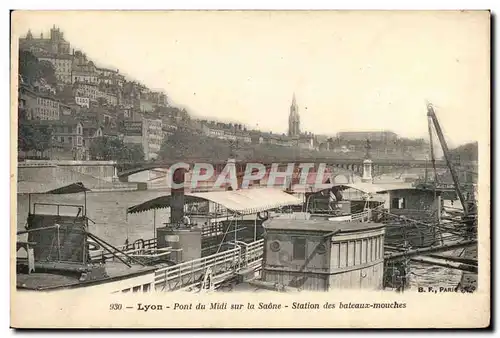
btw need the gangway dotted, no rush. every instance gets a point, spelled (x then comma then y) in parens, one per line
(221, 267)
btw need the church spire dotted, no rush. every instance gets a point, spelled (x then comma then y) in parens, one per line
(294, 119)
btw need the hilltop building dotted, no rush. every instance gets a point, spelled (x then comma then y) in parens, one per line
(55, 44)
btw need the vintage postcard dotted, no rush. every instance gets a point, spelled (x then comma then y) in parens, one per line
(250, 169)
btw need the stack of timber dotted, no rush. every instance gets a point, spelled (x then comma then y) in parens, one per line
(468, 283)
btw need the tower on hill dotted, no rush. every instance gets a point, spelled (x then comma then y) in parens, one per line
(294, 119)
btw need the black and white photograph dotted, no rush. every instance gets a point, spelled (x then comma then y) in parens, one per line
(250, 155)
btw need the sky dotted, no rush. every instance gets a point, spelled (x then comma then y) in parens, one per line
(349, 70)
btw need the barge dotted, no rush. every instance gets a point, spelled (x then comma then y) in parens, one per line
(60, 253)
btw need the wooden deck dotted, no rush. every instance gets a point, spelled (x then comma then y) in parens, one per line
(54, 281)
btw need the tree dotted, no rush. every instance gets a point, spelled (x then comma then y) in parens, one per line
(24, 137)
(111, 148)
(43, 139)
(47, 71)
(106, 148)
(32, 70)
(28, 66)
(465, 152)
(133, 152)
(32, 137)
(185, 144)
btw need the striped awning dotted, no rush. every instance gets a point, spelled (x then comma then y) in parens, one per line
(243, 202)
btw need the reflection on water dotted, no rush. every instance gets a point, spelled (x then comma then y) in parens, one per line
(108, 211)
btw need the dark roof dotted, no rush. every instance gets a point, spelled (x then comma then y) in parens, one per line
(52, 188)
(69, 189)
(319, 225)
(418, 189)
(66, 121)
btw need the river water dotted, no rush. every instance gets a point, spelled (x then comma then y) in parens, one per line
(108, 211)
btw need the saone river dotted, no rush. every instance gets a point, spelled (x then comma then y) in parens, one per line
(108, 211)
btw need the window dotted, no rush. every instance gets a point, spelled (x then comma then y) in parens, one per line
(398, 203)
(299, 248)
(275, 246)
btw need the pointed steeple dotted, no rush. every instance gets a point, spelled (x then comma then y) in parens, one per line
(294, 119)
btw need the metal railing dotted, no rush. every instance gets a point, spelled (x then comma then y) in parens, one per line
(222, 265)
(361, 217)
(131, 248)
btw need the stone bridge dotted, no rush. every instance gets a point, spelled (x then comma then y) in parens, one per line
(355, 166)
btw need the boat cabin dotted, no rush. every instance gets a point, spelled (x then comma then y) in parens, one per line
(205, 223)
(411, 215)
(342, 202)
(320, 255)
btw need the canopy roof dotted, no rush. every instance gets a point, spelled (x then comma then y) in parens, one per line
(50, 188)
(367, 188)
(243, 202)
(319, 225)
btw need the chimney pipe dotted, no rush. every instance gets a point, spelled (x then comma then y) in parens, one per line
(177, 202)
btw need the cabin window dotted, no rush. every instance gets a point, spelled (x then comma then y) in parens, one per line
(335, 255)
(275, 246)
(363, 251)
(357, 251)
(146, 287)
(126, 290)
(350, 253)
(398, 203)
(381, 247)
(299, 248)
(343, 255)
(321, 249)
(369, 250)
(136, 288)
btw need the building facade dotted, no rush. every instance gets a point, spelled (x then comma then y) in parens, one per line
(82, 89)
(148, 132)
(153, 138)
(373, 136)
(82, 101)
(62, 65)
(27, 101)
(46, 108)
